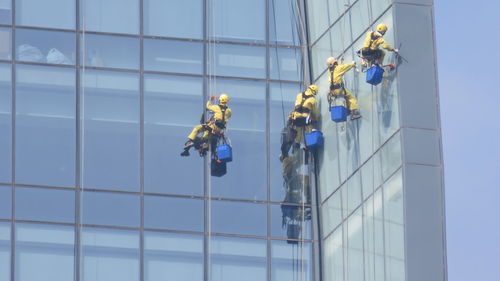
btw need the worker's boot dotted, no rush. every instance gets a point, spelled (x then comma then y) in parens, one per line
(355, 114)
(391, 66)
(187, 146)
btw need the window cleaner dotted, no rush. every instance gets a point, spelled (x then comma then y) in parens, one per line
(336, 73)
(370, 53)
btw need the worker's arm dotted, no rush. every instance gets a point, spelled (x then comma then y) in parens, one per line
(386, 45)
(343, 68)
(211, 106)
(315, 111)
(368, 39)
(228, 113)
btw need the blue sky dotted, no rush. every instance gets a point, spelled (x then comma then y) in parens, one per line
(468, 48)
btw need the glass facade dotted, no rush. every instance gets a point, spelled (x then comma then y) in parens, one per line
(97, 98)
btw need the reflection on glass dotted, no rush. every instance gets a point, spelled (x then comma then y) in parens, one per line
(286, 64)
(173, 256)
(283, 22)
(174, 18)
(33, 46)
(173, 56)
(239, 20)
(45, 204)
(45, 111)
(241, 259)
(331, 213)
(333, 257)
(5, 202)
(47, 13)
(110, 51)
(238, 60)
(239, 218)
(5, 43)
(318, 18)
(36, 257)
(5, 123)
(391, 156)
(355, 246)
(105, 16)
(110, 129)
(291, 262)
(4, 251)
(110, 254)
(173, 213)
(125, 210)
(361, 12)
(171, 104)
(291, 221)
(379, 6)
(5, 11)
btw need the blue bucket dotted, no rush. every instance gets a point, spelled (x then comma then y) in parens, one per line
(374, 75)
(314, 139)
(339, 113)
(224, 153)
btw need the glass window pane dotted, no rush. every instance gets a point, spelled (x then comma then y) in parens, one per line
(379, 6)
(5, 11)
(331, 213)
(5, 123)
(318, 18)
(105, 16)
(239, 259)
(45, 111)
(173, 56)
(291, 261)
(5, 202)
(239, 218)
(239, 20)
(283, 22)
(238, 60)
(286, 64)
(110, 254)
(355, 246)
(5, 41)
(181, 19)
(36, 259)
(173, 213)
(361, 13)
(110, 130)
(170, 106)
(391, 156)
(4, 250)
(291, 221)
(125, 210)
(246, 130)
(110, 51)
(178, 256)
(333, 257)
(33, 46)
(40, 204)
(47, 13)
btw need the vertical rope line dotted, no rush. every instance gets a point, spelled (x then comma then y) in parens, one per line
(82, 133)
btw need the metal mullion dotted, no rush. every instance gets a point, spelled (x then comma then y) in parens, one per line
(45, 64)
(13, 144)
(78, 167)
(206, 170)
(45, 28)
(141, 134)
(268, 144)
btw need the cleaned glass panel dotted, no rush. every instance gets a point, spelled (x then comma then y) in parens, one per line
(36, 257)
(110, 129)
(45, 111)
(291, 221)
(317, 18)
(110, 254)
(174, 18)
(331, 213)
(110, 51)
(172, 106)
(4, 250)
(41, 204)
(379, 6)
(369, 239)
(391, 156)
(283, 22)
(47, 13)
(173, 256)
(34, 46)
(360, 13)
(111, 209)
(378, 247)
(291, 261)
(173, 213)
(173, 56)
(241, 259)
(5, 40)
(246, 175)
(5, 202)
(239, 20)
(239, 218)
(238, 60)
(5, 11)
(5, 123)
(355, 246)
(333, 257)
(354, 192)
(286, 64)
(117, 16)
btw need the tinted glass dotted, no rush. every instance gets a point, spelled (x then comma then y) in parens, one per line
(47, 13)
(110, 115)
(33, 46)
(333, 256)
(4, 251)
(110, 254)
(5, 11)
(5, 123)
(111, 209)
(239, 218)
(238, 60)
(45, 204)
(117, 16)
(173, 56)
(45, 112)
(5, 202)
(173, 213)
(239, 20)
(174, 18)
(178, 256)
(172, 106)
(286, 64)
(5, 41)
(36, 259)
(110, 51)
(283, 22)
(291, 221)
(291, 261)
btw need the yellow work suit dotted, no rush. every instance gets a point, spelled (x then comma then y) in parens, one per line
(305, 109)
(336, 78)
(373, 40)
(212, 124)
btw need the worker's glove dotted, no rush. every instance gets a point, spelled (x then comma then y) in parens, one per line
(396, 51)
(212, 98)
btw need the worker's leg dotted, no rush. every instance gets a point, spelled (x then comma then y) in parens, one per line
(380, 57)
(195, 132)
(352, 102)
(190, 142)
(299, 135)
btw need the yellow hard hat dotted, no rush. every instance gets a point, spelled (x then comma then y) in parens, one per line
(223, 98)
(382, 28)
(331, 61)
(314, 89)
